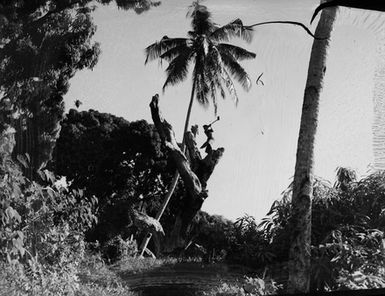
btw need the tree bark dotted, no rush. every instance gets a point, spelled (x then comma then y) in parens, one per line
(194, 171)
(175, 179)
(299, 253)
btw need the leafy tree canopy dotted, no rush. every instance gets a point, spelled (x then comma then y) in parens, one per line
(118, 161)
(102, 152)
(43, 43)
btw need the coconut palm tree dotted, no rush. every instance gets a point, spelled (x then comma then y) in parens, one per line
(299, 253)
(299, 265)
(214, 63)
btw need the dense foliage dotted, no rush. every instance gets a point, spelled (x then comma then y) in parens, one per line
(348, 225)
(42, 45)
(347, 231)
(113, 167)
(119, 162)
(41, 232)
(249, 286)
(109, 155)
(43, 220)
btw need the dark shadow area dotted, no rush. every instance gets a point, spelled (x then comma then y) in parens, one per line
(188, 278)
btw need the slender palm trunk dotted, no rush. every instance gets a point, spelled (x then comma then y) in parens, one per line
(175, 179)
(300, 264)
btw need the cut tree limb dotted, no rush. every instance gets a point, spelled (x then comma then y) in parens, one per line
(167, 136)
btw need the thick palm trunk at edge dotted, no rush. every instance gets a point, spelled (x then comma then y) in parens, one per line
(300, 251)
(175, 179)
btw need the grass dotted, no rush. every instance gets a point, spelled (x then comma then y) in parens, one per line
(97, 279)
(93, 289)
(132, 265)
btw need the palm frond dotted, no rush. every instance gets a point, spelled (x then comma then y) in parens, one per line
(236, 70)
(216, 81)
(200, 18)
(201, 79)
(213, 90)
(178, 68)
(307, 30)
(214, 64)
(191, 9)
(220, 76)
(235, 29)
(215, 86)
(213, 71)
(239, 53)
(344, 176)
(230, 86)
(156, 49)
(174, 52)
(203, 90)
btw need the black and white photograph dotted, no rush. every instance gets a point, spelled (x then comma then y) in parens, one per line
(192, 147)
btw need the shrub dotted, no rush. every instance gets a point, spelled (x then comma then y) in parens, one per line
(41, 232)
(250, 286)
(248, 244)
(35, 278)
(117, 249)
(348, 225)
(352, 258)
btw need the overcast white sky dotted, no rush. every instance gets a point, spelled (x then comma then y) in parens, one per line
(260, 135)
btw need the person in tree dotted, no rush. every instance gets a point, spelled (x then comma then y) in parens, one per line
(210, 139)
(194, 130)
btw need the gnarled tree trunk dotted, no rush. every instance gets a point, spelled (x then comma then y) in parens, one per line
(193, 169)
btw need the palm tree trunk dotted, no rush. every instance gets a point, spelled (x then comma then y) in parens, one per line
(299, 254)
(175, 179)
(187, 122)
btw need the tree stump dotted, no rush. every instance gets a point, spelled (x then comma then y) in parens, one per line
(194, 170)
